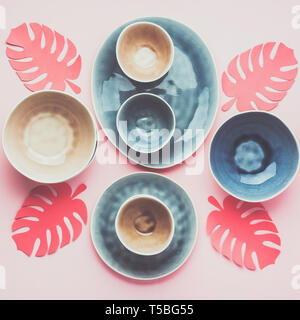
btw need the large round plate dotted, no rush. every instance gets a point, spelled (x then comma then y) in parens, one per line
(190, 87)
(125, 262)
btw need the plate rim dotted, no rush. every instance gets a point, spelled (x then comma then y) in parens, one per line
(92, 226)
(218, 88)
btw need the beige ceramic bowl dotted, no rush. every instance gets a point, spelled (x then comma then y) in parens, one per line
(144, 51)
(50, 137)
(144, 225)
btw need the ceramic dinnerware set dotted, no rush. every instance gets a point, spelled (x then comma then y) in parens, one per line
(155, 88)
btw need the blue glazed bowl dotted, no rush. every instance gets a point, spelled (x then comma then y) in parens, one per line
(145, 122)
(254, 156)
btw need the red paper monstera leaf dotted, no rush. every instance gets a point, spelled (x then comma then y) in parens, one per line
(44, 213)
(241, 229)
(46, 60)
(259, 77)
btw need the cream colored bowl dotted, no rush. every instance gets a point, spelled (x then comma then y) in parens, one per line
(144, 225)
(50, 137)
(144, 51)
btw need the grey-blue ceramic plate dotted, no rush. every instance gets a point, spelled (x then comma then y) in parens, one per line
(125, 262)
(190, 87)
(254, 156)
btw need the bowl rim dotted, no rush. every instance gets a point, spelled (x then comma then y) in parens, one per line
(171, 133)
(49, 181)
(171, 59)
(149, 197)
(262, 199)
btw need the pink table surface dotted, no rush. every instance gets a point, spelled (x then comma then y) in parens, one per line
(76, 272)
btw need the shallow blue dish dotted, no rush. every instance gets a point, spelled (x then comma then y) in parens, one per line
(145, 122)
(125, 262)
(254, 156)
(190, 87)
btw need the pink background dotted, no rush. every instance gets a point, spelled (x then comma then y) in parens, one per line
(228, 27)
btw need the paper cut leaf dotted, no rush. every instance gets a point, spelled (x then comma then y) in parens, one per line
(239, 230)
(46, 60)
(259, 78)
(45, 211)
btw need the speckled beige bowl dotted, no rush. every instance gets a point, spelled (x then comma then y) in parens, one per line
(144, 225)
(144, 51)
(50, 137)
